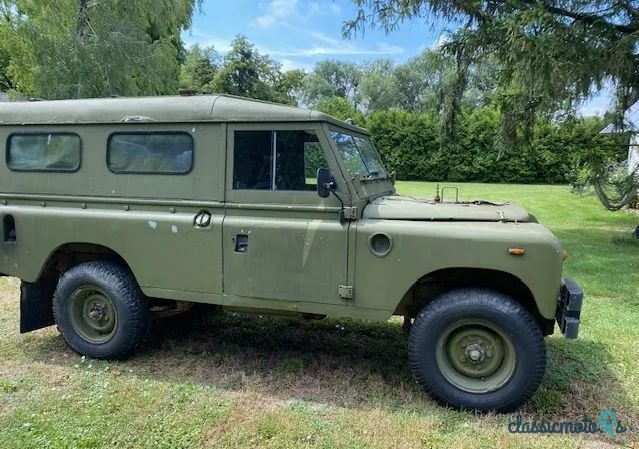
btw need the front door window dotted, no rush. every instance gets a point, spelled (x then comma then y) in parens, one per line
(277, 160)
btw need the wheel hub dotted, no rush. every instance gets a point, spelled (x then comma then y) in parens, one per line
(476, 352)
(92, 314)
(475, 356)
(96, 313)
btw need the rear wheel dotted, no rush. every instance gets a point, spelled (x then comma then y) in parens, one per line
(100, 310)
(475, 348)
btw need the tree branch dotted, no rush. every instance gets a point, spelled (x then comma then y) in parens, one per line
(583, 17)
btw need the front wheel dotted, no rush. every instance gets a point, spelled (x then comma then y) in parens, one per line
(100, 310)
(478, 349)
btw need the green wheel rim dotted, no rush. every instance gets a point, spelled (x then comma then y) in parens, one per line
(93, 315)
(475, 356)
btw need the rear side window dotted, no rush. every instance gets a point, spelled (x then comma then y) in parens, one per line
(44, 152)
(150, 152)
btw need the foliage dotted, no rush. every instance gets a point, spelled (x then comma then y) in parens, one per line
(410, 144)
(378, 87)
(341, 108)
(247, 73)
(332, 78)
(546, 57)
(550, 54)
(5, 58)
(423, 83)
(77, 48)
(199, 67)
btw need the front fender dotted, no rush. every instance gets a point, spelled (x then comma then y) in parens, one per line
(422, 247)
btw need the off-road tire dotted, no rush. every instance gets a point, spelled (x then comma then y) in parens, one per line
(503, 312)
(121, 288)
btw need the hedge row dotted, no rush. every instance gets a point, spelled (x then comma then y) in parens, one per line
(410, 145)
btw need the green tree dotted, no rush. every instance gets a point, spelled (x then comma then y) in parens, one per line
(247, 73)
(378, 88)
(341, 108)
(5, 59)
(332, 78)
(289, 86)
(551, 53)
(77, 48)
(199, 67)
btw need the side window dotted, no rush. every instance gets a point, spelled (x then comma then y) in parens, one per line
(252, 160)
(277, 160)
(44, 152)
(150, 152)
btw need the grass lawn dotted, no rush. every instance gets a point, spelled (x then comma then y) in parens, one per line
(230, 381)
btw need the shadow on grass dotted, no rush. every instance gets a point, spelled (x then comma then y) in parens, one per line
(340, 362)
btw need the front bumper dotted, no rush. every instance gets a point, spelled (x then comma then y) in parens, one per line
(569, 308)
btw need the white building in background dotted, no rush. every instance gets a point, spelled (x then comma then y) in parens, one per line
(4, 97)
(631, 124)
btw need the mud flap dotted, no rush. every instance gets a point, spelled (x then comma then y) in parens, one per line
(36, 305)
(569, 308)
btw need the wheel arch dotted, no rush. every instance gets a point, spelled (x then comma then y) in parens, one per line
(71, 254)
(36, 307)
(429, 286)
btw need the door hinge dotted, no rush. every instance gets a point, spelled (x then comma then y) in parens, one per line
(346, 291)
(350, 213)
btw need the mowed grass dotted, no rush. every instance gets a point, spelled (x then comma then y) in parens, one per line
(248, 381)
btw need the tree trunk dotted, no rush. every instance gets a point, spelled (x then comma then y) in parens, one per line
(83, 19)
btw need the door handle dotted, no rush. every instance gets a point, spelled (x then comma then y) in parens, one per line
(202, 219)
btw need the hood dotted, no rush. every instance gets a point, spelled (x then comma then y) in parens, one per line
(397, 207)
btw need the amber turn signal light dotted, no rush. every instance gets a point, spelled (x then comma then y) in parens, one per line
(516, 251)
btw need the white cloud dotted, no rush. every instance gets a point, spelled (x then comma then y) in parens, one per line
(289, 64)
(325, 45)
(202, 39)
(276, 11)
(320, 45)
(326, 7)
(284, 12)
(342, 50)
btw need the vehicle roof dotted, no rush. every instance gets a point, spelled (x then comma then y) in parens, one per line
(163, 109)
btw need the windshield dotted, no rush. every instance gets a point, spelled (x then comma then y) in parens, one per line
(359, 155)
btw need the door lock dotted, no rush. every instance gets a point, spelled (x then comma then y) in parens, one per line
(241, 243)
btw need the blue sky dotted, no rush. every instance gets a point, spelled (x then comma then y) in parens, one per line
(299, 33)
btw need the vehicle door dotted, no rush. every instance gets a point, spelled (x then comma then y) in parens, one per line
(282, 242)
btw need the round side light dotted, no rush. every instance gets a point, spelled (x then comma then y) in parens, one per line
(380, 244)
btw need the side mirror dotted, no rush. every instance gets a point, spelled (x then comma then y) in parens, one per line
(325, 182)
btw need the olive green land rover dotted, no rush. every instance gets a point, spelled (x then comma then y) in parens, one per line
(110, 207)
